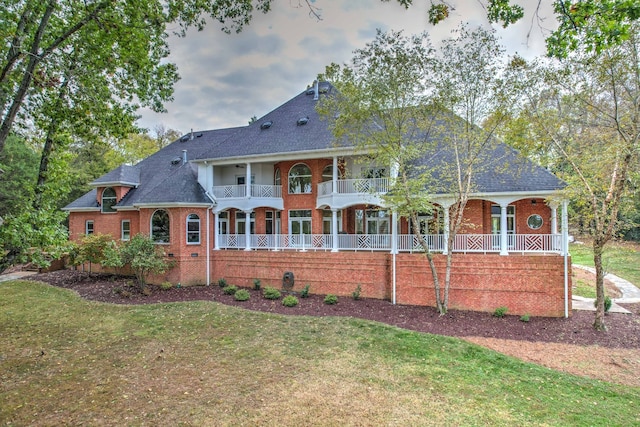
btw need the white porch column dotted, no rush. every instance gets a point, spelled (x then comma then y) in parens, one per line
(216, 239)
(334, 177)
(334, 228)
(445, 213)
(248, 181)
(394, 232)
(565, 227)
(503, 230)
(554, 218)
(247, 230)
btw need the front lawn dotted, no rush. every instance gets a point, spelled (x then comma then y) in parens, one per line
(66, 361)
(621, 259)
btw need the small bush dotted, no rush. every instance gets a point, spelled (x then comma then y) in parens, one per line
(290, 301)
(524, 318)
(230, 290)
(146, 291)
(242, 295)
(222, 283)
(304, 293)
(165, 286)
(356, 294)
(500, 311)
(271, 293)
(331, 299)
(607, 303)
(256, 284)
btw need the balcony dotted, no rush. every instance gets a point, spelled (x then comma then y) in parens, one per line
(353, 191)
(463, 243)
(235, 196)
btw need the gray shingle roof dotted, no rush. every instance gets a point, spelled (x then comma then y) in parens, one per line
(162, 178)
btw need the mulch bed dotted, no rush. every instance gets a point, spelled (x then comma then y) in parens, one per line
(623, 329)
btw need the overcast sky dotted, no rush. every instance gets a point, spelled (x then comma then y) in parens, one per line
(227, 79)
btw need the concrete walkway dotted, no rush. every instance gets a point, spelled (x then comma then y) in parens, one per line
(630, 294)
(16, 275)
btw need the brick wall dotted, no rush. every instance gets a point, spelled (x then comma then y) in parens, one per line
(524, 284)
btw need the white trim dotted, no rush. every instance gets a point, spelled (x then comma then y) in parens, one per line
(95, 184)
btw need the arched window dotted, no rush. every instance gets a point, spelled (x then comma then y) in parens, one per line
(160, 226)
(193, 229)
(300, 179)
(327, 173)
(108, 200)
(277, 179)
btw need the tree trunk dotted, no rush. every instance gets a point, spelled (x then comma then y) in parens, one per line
(599, 323)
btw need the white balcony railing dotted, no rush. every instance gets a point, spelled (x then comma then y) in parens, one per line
(355, 186)
(240, 191)
(465, 243)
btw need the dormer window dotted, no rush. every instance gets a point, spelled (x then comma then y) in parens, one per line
(108, 200)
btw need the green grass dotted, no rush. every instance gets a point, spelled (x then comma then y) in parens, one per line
(623, 260)
(65, 361)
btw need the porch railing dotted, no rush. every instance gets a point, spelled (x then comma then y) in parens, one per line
(465, 243)
(355, 186)
(240, 191)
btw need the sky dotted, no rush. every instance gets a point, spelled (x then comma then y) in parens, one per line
(228, 78)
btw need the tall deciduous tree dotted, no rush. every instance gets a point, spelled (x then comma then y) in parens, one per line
(401, 101)
(587, 109)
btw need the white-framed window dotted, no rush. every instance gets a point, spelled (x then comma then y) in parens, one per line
(300, 222)
(241, 222)
(535, 222)
(372, 221)
(160, 226)
(223, 223)
(327, 221)
(108, 200)
(125, 230)
(88, 226)
(193, 229)
(495, 219)
(277, 179)
(300, 179)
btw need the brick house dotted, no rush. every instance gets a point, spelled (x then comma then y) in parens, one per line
(279, 196)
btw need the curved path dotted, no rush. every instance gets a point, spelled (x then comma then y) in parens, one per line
(630, 293)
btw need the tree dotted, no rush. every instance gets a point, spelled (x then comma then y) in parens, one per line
(586, 109)
(144, 257)
(400, 102)
(593, 25)
(18, 173)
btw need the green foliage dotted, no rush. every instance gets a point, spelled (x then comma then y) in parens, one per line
(331, 299)
(144, 257)
(271, 293)
(91, 248)
(18, 163)
(356, 294)
(242, 295)
(608, 302)
(230, 290)
(525, 318)
(289, 301)
(165, 286)
(304, 293)
(256, 284)
(500, 311)
(222, 283)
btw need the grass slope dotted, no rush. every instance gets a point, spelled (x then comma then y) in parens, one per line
(67, 361)
(622, 260)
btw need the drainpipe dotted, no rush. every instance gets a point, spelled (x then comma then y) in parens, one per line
(208, 269)
(565, 251)
(394, 279)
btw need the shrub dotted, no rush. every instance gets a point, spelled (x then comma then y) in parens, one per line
(222, 283)
(500, 311)
(290, 301)
(356, 294)
(331, 299)
(146, 291)
(256, 284)
(524, 318)
(144, 257)
(242, 295)
(230, 290)
(271, 293)
(607, 303)
(165, 286)
(304, 293)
